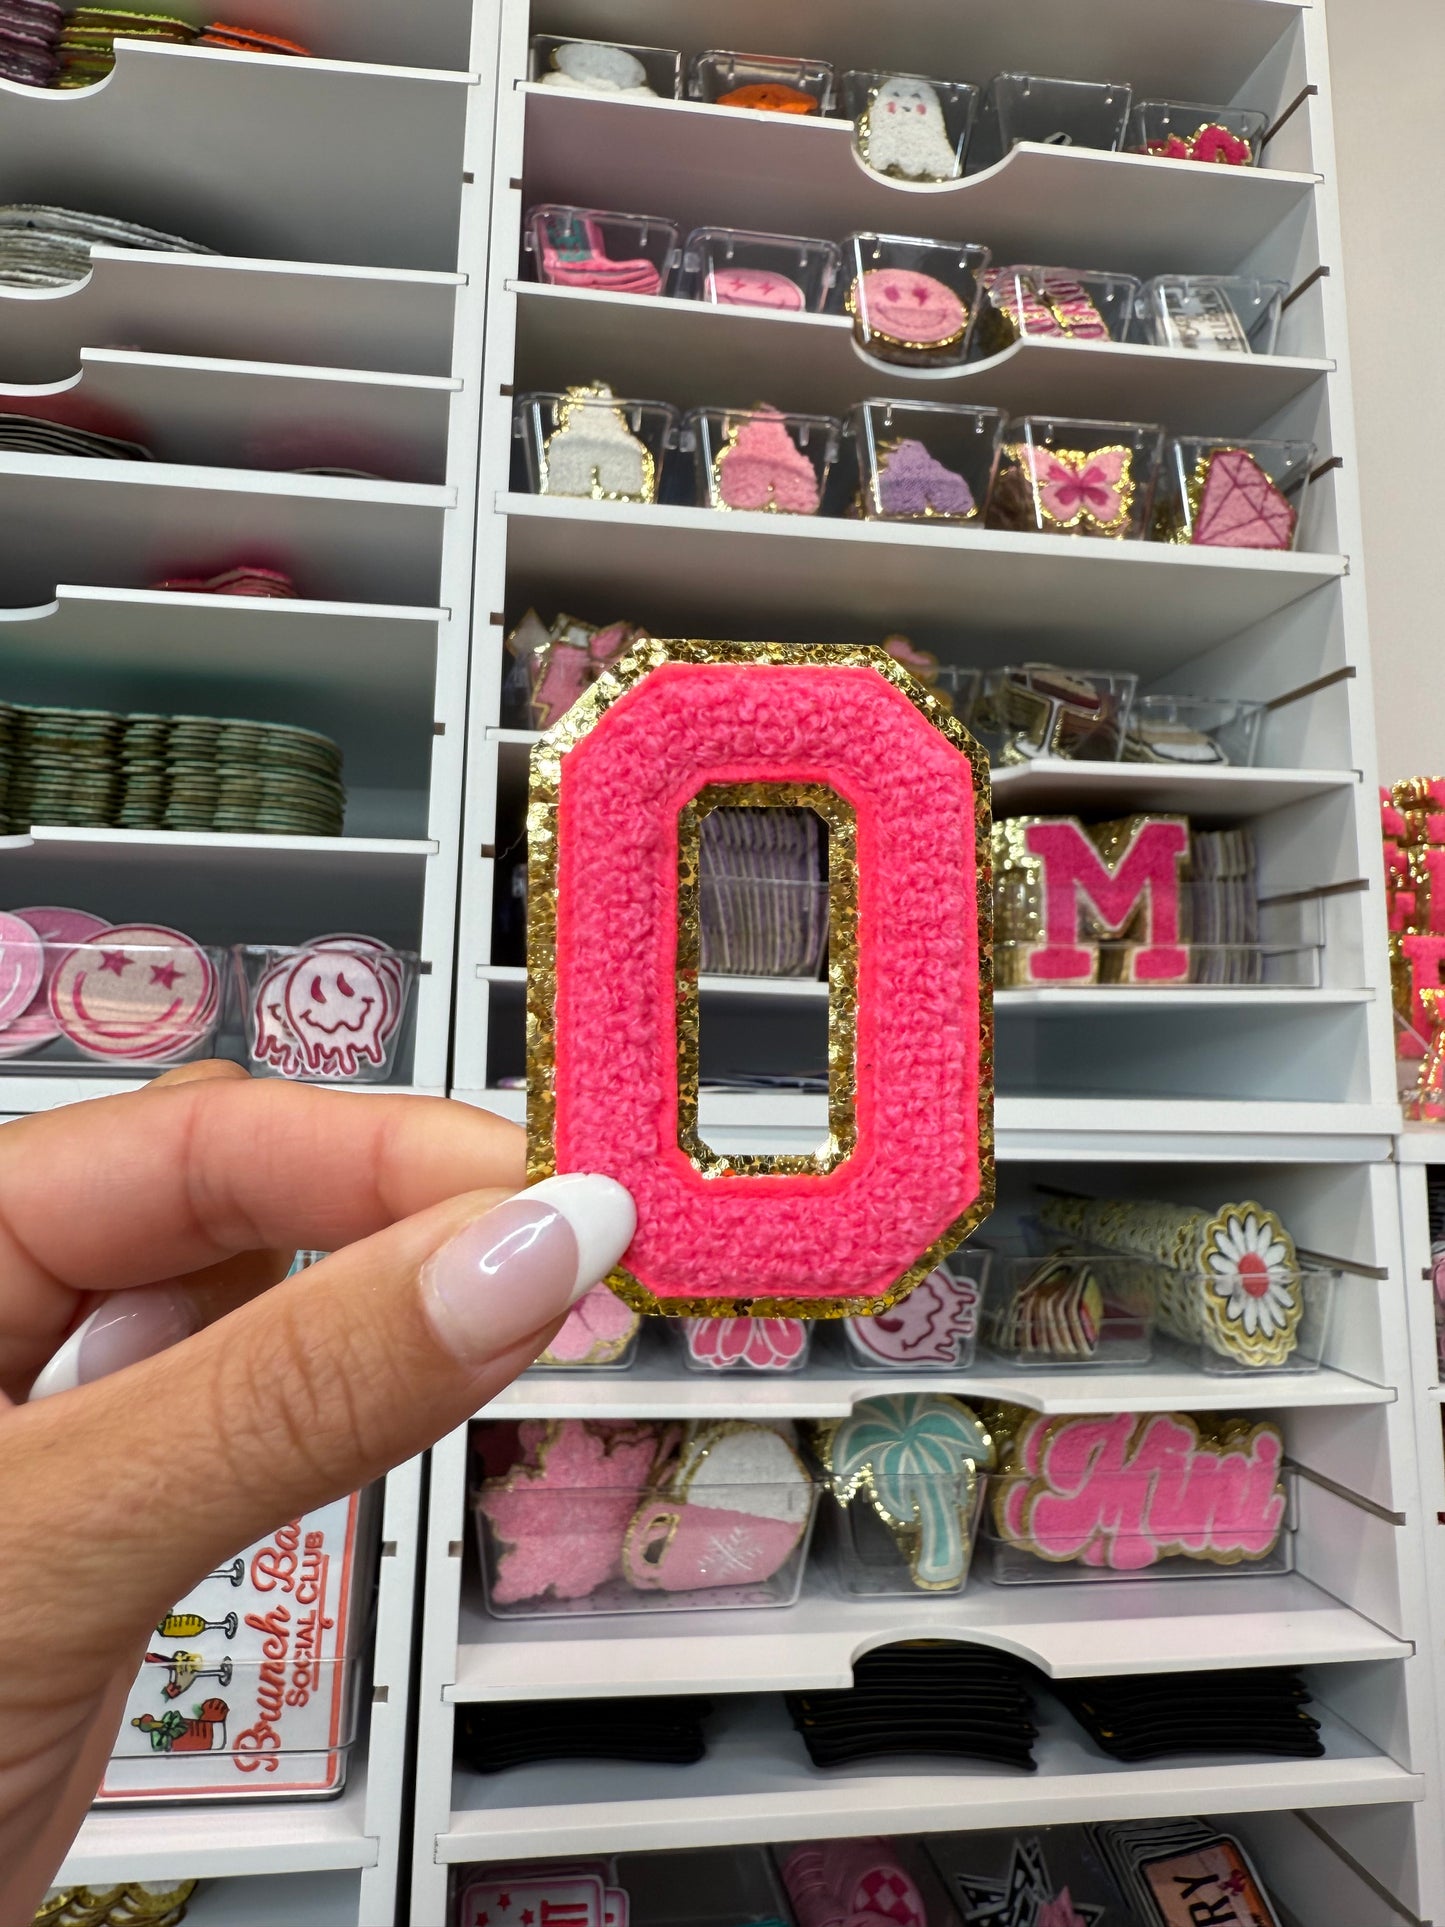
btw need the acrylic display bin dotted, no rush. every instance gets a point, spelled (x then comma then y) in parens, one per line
(1194, 732)
(589, 444)
(962, 686)
(600, 1334)
(604, 66)
(1054, 304)
(1232, 495)
(1181, 130)
(774, 83)
(1291, 1306)
(1228, 940)
(929, 1904)
(586, 247)
(781, 273)
(867, 1556)
(1069, 1309)
(760, 926)
(933, 1329)
(1139, 1525)
(703, 1887)
(115, 1009)
(1075, 478)
(924, 461)
(909, 127)
(912, 301)
(287, 1030)
(1210, 314)
(744, 1547)
(744, 1345)
(1036, 710)
(760, 460)
(1055, 112)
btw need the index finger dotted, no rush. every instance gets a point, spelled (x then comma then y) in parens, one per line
(123, 1191)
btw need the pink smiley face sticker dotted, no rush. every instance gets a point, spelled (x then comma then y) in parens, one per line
(754, 288)
(908, 309)
(22, 965)
(335, 1004)
(136, 992)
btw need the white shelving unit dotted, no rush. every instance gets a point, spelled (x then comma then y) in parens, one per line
(344, 300)
(1284, 1095)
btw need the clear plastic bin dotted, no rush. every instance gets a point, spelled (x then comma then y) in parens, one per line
(1036, 710)
(635, 1518)
(760, 460)
(1142, 1524)
(1075, 478)
(1232, 494)
(540, 1890)
(1253, 1324)
(924, 461)
(760, 926)
(332, 1011)
(912, 301)
(1194, 732)
(590, 444)
(1181, 130)
(1070, 1308)
(604, 67)
(870, 1556)
(963, 685)
(703, 1887)
(780, 273)
(1054, 304)
(1055, 112)
(1228, 938)
(909, 127)
(600, 1334)
(771, 83)
(135, 996)
(824, 1879)
(770, 1345)
(1210, 314)
(586, 247)
(933, 1329)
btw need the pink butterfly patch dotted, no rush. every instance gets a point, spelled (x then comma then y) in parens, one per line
(1075, 488)
(1239, 506)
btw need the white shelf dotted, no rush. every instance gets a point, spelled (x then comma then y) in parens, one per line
(693, 571)
(757, 1785)
(197, 1842)
(1144, 1626)
(269, 416)
(133, 523)
(1202, 50)
(693, 354)
(785, 174)
(315, 160)
(286, 1900)
(657, 1387)
(1419, 1144)
(1207, 796)
(231, 306)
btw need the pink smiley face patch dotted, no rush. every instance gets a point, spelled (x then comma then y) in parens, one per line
(136, 992)
(754, 288)
(901, 305)
(336, 1004)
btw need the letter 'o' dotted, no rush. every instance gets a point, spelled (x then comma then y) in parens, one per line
(613, 786)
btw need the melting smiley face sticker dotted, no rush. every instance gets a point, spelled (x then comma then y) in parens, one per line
(336, 1006)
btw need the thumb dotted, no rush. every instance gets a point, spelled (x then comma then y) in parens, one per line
(150, 1477)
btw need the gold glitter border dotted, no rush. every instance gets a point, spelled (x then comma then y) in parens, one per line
(842, 976)
(544, 799)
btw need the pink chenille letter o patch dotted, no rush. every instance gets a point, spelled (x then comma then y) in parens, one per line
(621, 789)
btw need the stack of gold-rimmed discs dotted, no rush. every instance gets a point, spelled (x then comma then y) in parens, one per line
(62, 767)
(279, 780)
(87, 40)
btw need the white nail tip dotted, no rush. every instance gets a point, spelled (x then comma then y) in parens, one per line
(602, 1216)
(62, 1374)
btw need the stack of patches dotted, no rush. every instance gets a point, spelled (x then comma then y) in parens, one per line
(94, 768)
(667, 1732)
(245, 579)
(30, 435)
(763, 894)
(923, 1697)
(1154, 1715)
(47, 247)
(141, 1903)
(87, 40)
(246, 40)
(30, 41)
(1172, 1870)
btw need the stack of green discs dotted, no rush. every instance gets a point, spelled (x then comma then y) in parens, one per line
(144, 775)
(64, 767)
(193, 783)
(7, 760)
(278, 779)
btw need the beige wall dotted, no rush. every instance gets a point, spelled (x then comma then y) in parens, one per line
(1387, 58)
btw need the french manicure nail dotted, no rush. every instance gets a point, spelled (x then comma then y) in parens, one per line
(129, 1326)
(506, 1275)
